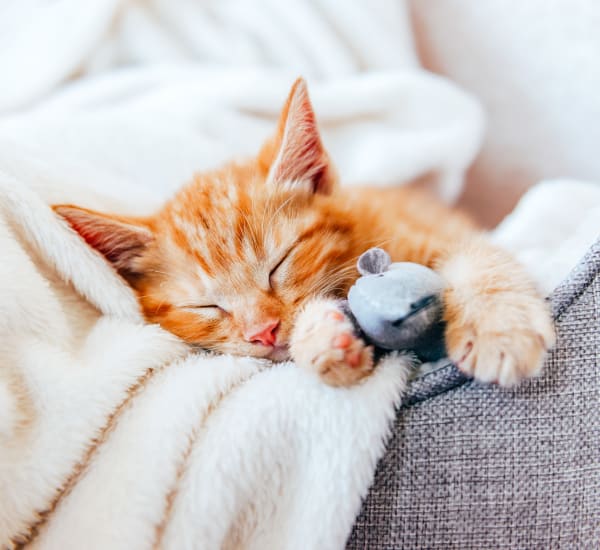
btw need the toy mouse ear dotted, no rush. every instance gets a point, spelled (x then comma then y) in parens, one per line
(373, 261)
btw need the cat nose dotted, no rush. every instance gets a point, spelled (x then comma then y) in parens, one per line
(265, 334)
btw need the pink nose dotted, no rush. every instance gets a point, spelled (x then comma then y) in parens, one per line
(265, 334)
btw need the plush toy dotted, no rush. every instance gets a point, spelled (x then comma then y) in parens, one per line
(398, 306)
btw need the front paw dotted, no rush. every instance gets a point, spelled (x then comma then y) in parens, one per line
(503, 339)
(324, 342)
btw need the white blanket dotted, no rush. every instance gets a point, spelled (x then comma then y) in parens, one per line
(551, 228)
(112, 435)
(169, 87)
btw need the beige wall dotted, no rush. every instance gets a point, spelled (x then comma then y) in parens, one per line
(535, 65)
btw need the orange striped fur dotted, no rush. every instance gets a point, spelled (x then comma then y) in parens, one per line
(247, 246)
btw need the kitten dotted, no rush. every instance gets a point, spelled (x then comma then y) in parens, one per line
(250, 259)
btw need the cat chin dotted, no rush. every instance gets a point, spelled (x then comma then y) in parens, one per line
(276, 354)
(279, 353)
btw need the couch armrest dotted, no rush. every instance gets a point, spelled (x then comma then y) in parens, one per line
(475, 466)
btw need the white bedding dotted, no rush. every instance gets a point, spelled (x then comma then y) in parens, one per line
(112, 435)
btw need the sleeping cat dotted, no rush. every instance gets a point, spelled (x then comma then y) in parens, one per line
(250, 259)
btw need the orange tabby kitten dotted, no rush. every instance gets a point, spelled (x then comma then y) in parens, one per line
(250, 258)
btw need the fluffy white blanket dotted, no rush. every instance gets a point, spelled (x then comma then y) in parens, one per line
(112, 434)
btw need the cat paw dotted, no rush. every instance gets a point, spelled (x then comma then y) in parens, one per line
(504, 342)
(324, 342)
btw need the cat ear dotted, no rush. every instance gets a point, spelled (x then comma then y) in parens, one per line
(118, 239)
(296, 155)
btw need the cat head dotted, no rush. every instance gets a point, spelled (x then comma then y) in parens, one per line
(231, 258)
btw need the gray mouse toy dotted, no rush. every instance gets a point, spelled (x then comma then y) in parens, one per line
(398, 306)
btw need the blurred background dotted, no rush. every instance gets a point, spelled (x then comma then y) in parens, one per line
(480, 99)
(535, 67)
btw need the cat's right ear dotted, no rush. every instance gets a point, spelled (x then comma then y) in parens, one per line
(295, 156)
(120, 240)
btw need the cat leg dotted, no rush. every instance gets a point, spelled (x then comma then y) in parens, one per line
(499, 327)
(324, 341)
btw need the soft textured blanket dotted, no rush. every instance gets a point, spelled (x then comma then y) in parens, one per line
(166, 88)
(114, 435)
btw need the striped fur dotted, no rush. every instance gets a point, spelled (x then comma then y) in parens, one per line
(256, 241)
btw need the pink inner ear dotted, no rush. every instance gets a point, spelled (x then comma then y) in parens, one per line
(118, 241)
(301, 156)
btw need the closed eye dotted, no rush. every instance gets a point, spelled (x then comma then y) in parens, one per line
(209, 308)
(279, 264)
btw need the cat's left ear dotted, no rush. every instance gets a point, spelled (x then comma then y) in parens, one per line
(120, 240)
(295, 156)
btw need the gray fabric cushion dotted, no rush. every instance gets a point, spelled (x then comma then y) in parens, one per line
(474, 466)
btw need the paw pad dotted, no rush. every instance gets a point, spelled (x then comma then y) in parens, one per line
(342, 341)
(335, 315)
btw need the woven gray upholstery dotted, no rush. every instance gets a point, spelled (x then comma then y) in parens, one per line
(474, 466)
